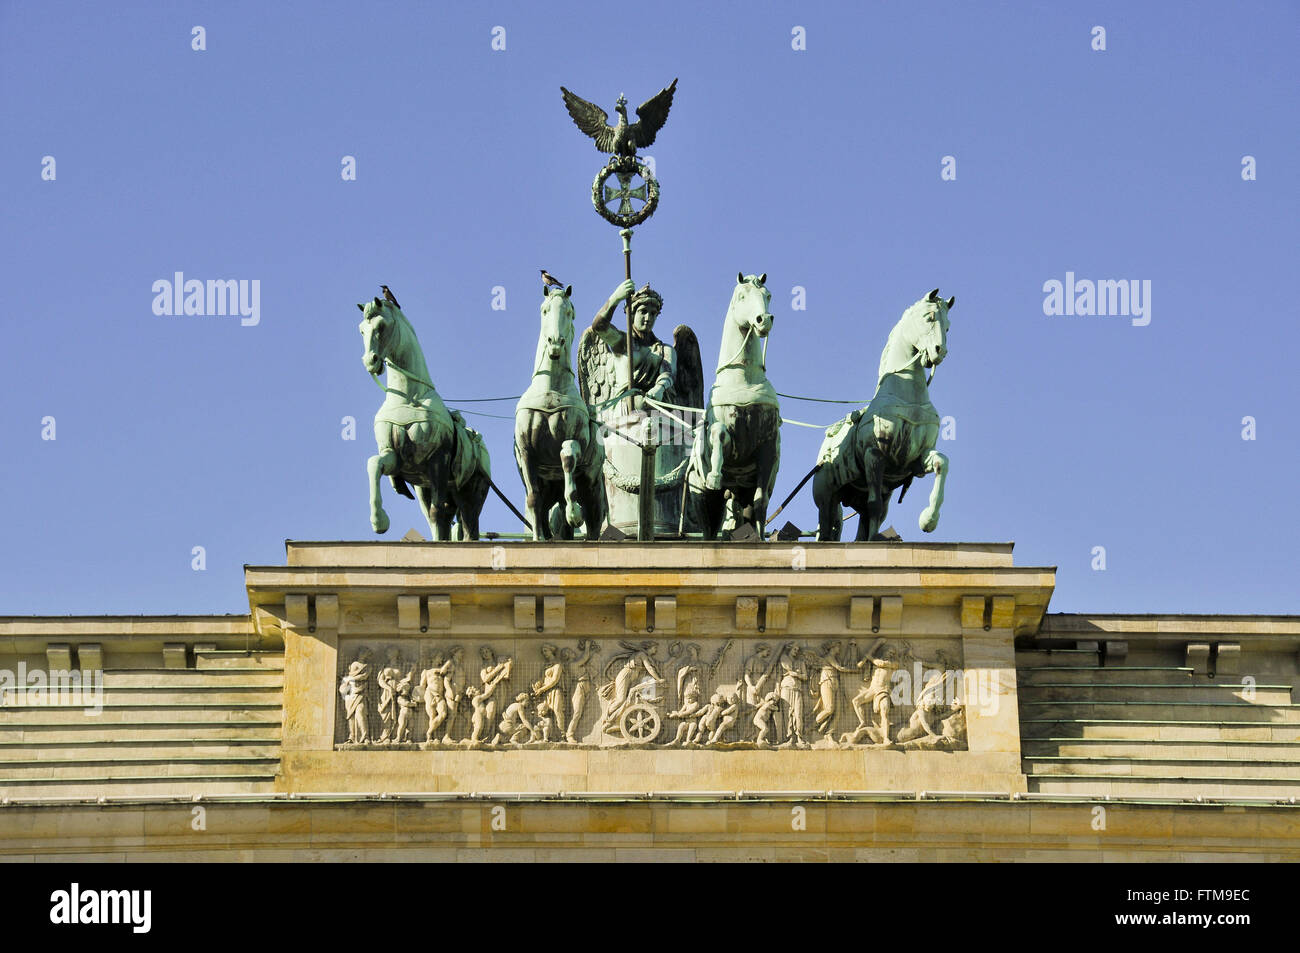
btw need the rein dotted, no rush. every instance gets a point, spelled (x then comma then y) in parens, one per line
(744, 342)
(405, 373)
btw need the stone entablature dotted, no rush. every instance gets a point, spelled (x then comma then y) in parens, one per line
(440, 656)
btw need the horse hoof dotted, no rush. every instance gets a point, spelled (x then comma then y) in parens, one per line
(379, 522)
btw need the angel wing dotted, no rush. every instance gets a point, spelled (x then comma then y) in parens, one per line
(651, 116)
(595, 369)
(594, 121)
(688, 387)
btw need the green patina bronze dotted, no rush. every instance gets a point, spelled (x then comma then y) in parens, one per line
(648, 394)
(630, 441)
(661, 374)
(420, 442)
(557, 441)
(736, 458)
(872, 452)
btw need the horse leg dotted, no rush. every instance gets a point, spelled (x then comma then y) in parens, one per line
(929, 518)
(381, 464)
(533, 497)
(470, 506)
(830, 514)
(873, 513)
(424, 495)
(714, 507)
(593, 510)
(742, 505)
(570, 451)
(525, 447)
(768, 459)
(441, 508)
(719, 439)
(591, 483)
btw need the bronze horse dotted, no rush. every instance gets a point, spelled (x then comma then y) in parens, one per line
(420, 443)
(557, 440)
(872, 452)
(738, 455)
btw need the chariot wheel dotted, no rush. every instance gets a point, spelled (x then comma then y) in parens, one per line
(640, 724)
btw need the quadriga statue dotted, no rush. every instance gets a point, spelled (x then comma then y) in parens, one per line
(420, 442)
(872, 452)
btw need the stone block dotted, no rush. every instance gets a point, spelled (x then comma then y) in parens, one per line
(295, 610)
(58, 656)
(1003, 615)
(747, 613)
(327, 611)
(972, 612)
(174, 655)
(553, 613)
(408, 614)
(90, 656)
(666, 613)
(526, 612)
(439, 612)
(861, 610)
(1198, 657)
(891, 614)
(1227, 658)
(636, 613)
(776, 613)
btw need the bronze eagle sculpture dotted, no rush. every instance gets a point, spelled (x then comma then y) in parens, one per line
(622, 139)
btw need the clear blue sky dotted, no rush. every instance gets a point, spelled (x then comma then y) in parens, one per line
(820, 167)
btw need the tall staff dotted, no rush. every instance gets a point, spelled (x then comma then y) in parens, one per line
(621, 141)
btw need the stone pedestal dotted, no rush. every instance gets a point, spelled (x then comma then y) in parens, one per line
(837, 667)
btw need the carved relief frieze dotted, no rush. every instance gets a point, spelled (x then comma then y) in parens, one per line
(722, 694)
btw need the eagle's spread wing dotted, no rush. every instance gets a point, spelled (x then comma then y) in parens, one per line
(593, 120)
(651, 116)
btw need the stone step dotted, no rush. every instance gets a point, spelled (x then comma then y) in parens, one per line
(1237, 751)
(1134, 692)
(1052, 658)
(138, 715)
(183, 679)
(1136, 787)
(1157, 729)
(1172, 710)
(236, 658)
(230, 767)
(1180, 768)
(87, 730)
(96, 786)
(1095, 674)
(195, 695)
(159, 750)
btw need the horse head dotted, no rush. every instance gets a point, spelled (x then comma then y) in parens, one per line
(555, 342)
(379, 330)
(749, 305)
(921, 334)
